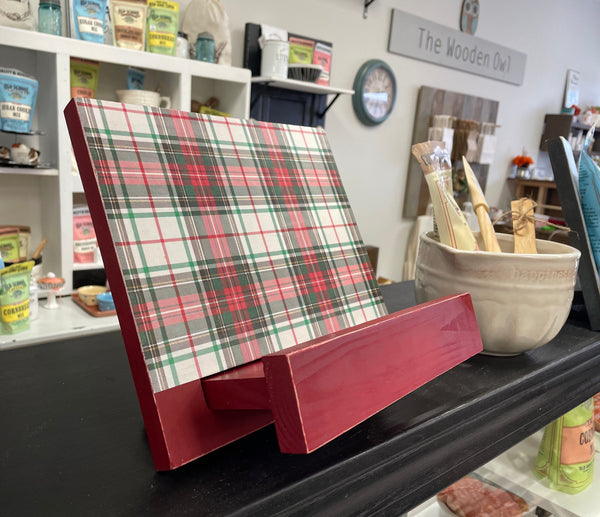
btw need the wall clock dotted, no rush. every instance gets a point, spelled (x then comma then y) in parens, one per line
(374, 92)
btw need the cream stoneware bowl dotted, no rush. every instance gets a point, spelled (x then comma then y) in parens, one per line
(88, 294)
(521, 301)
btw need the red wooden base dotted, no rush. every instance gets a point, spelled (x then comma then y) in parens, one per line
(322, 388)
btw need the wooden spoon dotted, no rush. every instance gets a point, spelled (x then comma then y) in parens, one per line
(523, 225)
(482, 210)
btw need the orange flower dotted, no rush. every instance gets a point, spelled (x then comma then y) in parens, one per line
(523, 161)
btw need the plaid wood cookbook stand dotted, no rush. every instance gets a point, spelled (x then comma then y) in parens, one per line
(243, 290)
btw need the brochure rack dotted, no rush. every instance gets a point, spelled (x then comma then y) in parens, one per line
(565, 176)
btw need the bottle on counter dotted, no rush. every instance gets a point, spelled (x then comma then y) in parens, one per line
(182, 48)
(50, 17)
(205, 47)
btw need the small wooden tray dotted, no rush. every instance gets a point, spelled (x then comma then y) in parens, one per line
(93, 310)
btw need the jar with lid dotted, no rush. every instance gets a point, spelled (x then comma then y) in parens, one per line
(50, 17)
(205, 47)
(182, 46)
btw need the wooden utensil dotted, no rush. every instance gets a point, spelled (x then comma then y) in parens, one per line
(524, 225)
(38, 250)
(482, 210)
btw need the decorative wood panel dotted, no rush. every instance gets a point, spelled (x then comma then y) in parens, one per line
(435, 101)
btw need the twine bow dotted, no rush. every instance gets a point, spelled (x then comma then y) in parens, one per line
(521, 218)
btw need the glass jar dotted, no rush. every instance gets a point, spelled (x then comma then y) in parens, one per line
(182, 46)
(205, 47)
(50, 17)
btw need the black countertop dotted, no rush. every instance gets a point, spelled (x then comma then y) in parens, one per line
(73, 441)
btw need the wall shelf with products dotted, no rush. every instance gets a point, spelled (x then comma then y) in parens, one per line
(284, 100)
(563, 124)
(43, 198)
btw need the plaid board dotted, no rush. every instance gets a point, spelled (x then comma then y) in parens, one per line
(235, 238)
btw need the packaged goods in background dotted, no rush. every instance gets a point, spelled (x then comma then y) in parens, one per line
(129, 23)
(17, 13)
(597, 411)
(301, 50)
(14, 297)
(18, 95)
(88, 19)
(566, 454)
(135, 78)
(322, 56)
(23, 236)
(9, 244)
(84, 77)
(84, 236)
(470, 496)
(589, 193)
(162, 27)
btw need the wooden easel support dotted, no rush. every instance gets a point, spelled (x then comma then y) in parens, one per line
(320, 389)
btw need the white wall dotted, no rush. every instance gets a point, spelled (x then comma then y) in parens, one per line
(555, 34)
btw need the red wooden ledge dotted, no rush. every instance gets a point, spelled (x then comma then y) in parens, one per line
(320, 389)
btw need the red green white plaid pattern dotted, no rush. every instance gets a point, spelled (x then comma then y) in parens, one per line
(235, 237)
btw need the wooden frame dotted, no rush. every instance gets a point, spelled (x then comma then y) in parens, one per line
(565, 172)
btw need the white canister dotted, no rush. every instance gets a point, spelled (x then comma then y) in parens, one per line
(274, 60)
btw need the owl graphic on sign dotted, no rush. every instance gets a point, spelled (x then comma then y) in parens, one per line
(469, 16)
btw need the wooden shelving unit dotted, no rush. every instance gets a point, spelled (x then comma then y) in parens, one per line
(543, 192)
(43, 198)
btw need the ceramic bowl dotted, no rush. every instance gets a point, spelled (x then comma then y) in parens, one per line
(105, 301)
(88, 294)
(520, 301)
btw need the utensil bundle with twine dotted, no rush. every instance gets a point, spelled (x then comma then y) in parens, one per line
(522, 213)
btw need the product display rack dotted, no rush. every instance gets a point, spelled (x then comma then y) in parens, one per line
(43, 198)
(89, 451)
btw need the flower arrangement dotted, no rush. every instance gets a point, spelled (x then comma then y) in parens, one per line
(522, 160)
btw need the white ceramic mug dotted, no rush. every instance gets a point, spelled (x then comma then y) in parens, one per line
(274, 59)
(144, 97)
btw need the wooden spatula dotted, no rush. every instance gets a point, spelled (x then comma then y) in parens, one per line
(482, 210)
(523, 225)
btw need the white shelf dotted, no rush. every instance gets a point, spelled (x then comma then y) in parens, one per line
(38, 41)
(68, 321)
(300, 86)
(44, 198)
(29, 171)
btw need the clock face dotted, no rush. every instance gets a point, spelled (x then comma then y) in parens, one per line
(374, 92)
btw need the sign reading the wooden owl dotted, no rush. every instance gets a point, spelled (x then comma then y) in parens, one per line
(469, 16)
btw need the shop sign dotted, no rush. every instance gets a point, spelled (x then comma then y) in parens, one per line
(424, 40)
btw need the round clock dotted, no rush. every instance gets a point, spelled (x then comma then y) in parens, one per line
(374, 92)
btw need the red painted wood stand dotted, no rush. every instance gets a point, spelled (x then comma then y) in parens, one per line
(314, 391)
(320, 389)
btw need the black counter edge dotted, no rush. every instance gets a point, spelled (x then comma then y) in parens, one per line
(400, 474)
